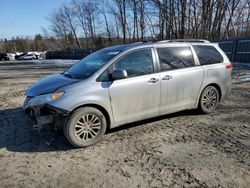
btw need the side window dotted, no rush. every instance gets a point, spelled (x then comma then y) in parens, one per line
(207, 54)
(137, 63)
(175, 58)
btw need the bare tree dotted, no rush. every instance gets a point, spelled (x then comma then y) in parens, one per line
(68, 15)
(84, 23)
(59, 28)
(85, 12)
(134, 7)
(119, 10)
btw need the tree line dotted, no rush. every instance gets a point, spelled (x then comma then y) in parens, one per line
(94, 23)
(100, 23)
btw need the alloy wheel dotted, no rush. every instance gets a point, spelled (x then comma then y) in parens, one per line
(209, 99)
(87, 127)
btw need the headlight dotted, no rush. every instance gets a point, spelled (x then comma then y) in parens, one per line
(42, 99)
(57, 95)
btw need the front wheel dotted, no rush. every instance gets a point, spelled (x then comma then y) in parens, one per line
(85, 127)
(209, 100)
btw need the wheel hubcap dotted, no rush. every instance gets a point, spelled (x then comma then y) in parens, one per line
(209, 99)
(87, 127)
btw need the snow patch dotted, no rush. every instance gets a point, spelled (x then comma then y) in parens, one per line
(55, 61)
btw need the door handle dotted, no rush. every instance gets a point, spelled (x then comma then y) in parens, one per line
(167, 77)
(153, 80)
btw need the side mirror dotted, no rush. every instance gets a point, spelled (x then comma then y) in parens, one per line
(119, 74)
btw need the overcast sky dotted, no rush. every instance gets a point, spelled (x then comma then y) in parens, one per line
(25, 17)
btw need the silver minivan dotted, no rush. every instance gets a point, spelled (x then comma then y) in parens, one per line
(128, 83)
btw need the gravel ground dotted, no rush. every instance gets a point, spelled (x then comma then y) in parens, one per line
(179, 150)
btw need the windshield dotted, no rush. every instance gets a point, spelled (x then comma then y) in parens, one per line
(90, 64)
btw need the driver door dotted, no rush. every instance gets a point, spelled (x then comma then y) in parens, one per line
(136, 97)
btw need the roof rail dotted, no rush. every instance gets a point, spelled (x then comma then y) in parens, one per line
(137, 42)
(173, 40)
(162, 41)
(141, 42)
(189, 40)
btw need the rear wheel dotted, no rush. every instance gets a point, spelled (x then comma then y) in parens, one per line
(209, 99)
(85, 127)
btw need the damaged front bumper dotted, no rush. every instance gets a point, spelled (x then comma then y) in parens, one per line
(44, 114)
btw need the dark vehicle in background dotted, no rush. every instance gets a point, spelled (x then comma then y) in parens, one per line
(17, 57)
(4, 57)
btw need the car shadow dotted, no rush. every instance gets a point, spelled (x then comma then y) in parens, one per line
(151, 120)
(17, 135)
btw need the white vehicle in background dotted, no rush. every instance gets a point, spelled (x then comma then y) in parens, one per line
(38, 55)
(11, 56)
(27, 57)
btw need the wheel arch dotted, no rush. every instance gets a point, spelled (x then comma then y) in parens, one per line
(99, 107)
(217, 86)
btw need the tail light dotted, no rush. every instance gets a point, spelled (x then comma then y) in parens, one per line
(229, 66)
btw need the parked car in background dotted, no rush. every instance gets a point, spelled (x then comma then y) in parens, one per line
(18, 55)
(38, 55)
(128, 83)
(4, 57)
(12, 56)
(27, 57)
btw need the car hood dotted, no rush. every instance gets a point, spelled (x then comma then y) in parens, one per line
(49, 84)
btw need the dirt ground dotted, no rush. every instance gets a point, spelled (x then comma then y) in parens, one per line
(179, 150)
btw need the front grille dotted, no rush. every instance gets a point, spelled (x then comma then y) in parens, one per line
(26, 101)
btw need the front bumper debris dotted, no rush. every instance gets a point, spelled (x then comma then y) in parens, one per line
(45, 115)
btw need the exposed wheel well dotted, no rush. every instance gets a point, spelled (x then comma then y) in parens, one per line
(103, 110)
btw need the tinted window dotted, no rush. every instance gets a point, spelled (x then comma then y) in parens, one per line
(207, 54)
(175, 58)
(137, 63)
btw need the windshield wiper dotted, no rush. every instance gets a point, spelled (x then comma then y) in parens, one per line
(67, 75)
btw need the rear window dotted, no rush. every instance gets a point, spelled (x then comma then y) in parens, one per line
(175, 58)
(208, 54)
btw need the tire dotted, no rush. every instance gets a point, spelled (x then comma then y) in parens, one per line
(85, 127)
(209, 100)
